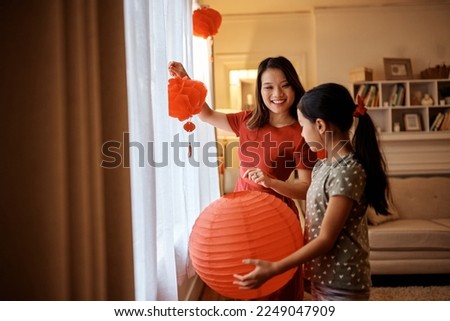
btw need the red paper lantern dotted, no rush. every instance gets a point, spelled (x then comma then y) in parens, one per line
(186, 98)
(206, 22)
(242, 225)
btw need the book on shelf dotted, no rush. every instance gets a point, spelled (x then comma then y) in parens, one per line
(369, 94)
(371, 98)
(376, 102)
(397, 97)
(400, 101)
(393, 95)
(362, 91)
(446, 122)
(437, 121)
(441, 121)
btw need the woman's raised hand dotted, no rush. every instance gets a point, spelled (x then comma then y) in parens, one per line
(176, 69)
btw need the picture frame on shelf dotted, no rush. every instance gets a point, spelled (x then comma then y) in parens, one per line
(412, 122)
(397, 68)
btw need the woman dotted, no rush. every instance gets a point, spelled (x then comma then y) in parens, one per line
(270, 142)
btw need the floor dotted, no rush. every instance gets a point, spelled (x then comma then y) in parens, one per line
(378, 280)
(410, 280)
(210, 295)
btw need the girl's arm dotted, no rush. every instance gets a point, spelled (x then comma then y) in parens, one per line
(335, 217)
(296, 189)
(207, 115)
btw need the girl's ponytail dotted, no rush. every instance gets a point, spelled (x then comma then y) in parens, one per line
(365, 144)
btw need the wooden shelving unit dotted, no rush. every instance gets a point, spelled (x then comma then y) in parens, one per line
(411, 152)
(389, 110)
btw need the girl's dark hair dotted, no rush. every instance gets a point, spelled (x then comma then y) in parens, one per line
(260, 115)
(333, 103)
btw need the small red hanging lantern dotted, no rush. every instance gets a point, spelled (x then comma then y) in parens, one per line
(242, 225)
(186, 98)
(206, 22)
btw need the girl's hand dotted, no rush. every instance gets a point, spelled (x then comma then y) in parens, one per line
(263, 271)
(258, 176)
(176, 69)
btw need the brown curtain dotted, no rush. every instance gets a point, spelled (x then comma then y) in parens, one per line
(65, 222)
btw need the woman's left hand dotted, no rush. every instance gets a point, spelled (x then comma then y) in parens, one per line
(258, 176)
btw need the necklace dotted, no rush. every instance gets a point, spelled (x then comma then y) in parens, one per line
(282, 124)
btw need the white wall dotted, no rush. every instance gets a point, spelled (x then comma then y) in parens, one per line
(243, 41)
(349, 38)
(326, 43)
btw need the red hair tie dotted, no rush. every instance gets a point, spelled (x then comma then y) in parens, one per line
(360, 109)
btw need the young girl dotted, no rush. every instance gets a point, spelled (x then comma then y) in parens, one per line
(270, 142)
(336, 251)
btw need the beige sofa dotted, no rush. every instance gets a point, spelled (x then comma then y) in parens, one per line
(416, 238)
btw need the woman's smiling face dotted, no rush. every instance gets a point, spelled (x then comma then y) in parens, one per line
(277, 94)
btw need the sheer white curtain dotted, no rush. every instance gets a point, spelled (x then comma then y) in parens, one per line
(169, 189)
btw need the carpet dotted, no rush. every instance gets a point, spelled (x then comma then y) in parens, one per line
(406, 293)
(410, 293)
(398, 293)
(391, 288)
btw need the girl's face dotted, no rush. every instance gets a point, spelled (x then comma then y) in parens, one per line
(310, 133)
(277, 94)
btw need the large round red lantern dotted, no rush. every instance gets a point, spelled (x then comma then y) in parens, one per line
(206, 22)
(242, 225)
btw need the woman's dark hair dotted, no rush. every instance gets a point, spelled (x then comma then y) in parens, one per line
(334, 103)
(260, 115)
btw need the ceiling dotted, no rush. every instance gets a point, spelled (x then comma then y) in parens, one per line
(236, 7)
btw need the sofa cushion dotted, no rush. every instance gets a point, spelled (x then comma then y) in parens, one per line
(442, 221)
(421, 197)
(409, 255)
(411, 235)
(411, 266)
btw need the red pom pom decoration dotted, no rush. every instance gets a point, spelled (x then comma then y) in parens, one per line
(186, 97)
(206, 22)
